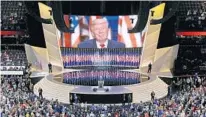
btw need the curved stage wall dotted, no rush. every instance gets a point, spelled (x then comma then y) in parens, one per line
(111, 77)
(140, 92)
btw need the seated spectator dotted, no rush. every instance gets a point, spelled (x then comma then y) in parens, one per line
(190, 57)
(13, 57)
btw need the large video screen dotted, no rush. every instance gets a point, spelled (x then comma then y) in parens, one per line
(116, 57)
(87, 30)
(83, 48)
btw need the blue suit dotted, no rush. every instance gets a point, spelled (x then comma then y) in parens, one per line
(92, 44)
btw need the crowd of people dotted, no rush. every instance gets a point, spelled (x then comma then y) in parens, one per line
(12, 15)
(126, 57)
(110, 77)
(192, 15)
(13, 56)
(19, 100)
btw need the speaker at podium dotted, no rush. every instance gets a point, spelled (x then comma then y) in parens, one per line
(101, 82)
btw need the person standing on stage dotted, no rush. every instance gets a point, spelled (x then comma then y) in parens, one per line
(50, 67)
(152, 95)
(40, 92)
(149, 68)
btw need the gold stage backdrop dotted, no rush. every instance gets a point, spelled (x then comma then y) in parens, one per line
(50, 35)
(163, 58)
(37, 56)
(151, 37)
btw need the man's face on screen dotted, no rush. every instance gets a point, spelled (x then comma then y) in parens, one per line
(100, 30)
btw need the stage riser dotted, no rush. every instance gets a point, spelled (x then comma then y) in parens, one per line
(103, 99)
(140, 92)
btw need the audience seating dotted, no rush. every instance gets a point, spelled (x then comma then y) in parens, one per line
(191, 57)
(191, 15)
(12, 15)
(13, 56)
(17, 92)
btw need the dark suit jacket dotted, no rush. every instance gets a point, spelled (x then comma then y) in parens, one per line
(50, 65)
(92, 44)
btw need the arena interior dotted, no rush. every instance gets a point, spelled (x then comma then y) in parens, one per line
(103, 59)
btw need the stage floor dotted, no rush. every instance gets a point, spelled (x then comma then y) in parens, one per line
(89, 90)
(53, 88)
(38, 74)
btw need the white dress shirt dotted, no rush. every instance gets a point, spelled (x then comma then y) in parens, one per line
(105, 44)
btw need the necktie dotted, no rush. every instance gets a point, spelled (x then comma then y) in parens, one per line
(102, 45)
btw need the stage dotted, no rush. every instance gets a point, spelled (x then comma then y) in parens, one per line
(53, 88)
(136, 54)
(111, 90)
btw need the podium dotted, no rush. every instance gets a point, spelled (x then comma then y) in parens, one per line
(102, 94)
(100, 87)
(101, 83)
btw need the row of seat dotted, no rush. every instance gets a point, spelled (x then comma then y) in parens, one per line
(12, 15)
(189, 60)
(191, 15)
(12, 57)
(192, 40)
